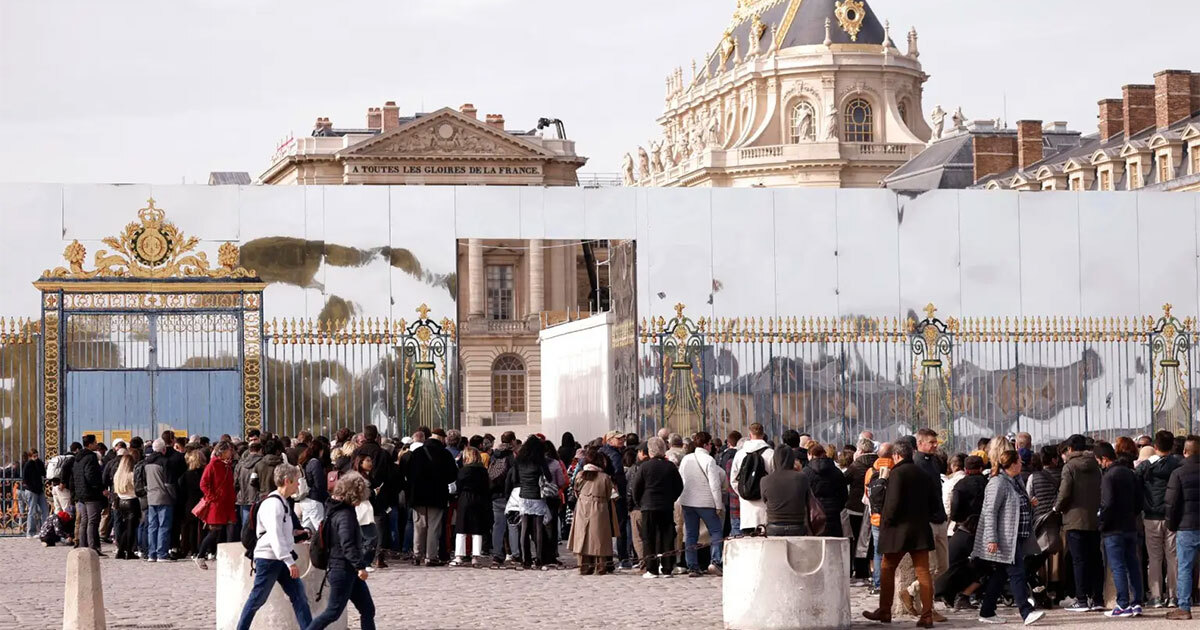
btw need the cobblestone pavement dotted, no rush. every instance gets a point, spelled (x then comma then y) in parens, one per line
(31, 579)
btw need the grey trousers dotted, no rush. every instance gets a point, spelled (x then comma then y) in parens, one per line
(88, 513)
(1160, 546)
(427, 531)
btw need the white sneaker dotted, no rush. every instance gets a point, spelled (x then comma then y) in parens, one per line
(1034, 616)
(200, 562)
(994, 619)
(370, 569)
(648, 576)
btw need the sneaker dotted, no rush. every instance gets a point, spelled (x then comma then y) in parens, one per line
(1155, 602)
(994, 619)
(1078, 605)
(152, 560)
(1034, 616)
(200, 563)
(1136, 609)
(1179, 614)
(714, 570)
(648, 576)
(962, 602)
(457, 562)
(666, 575)
(1119, 612)
(1173, 603)
(370, 569)
(1097, 607)
(696, 573)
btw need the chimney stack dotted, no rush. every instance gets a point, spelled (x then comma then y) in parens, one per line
(496, 121)
(1112, 117)
(1196, 91)
(993, 154)
(391, 116)
(1139, 108)
(1029, 142)
(374, 118)
(468, 109)
(1172, 97)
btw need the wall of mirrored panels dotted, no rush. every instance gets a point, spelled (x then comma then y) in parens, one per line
(342, 252)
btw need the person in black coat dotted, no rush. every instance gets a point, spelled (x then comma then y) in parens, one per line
(384, 482)
(33, 491)
(525, 474)
(1120, 504)
(966, 504)
(473, 518)
(87, 486)
(429, 471)
(347, 571)
(785, 493)
(828, 484)
(654, 489)
(1154, 473)
(912, 504)
(1183, 518)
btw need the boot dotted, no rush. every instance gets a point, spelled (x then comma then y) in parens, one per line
(601, 566)
(880, 615)
(937, 616)
(926, 620)
(585, 565)
(907, 601)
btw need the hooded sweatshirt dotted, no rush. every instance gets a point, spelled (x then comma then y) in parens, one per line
(786, 490)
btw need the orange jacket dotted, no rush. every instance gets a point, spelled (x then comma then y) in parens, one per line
(879, 463)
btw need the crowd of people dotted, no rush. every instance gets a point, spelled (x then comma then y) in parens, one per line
(1034, 528)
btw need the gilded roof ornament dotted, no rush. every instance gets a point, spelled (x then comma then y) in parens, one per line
(151, 247)
(850, 15)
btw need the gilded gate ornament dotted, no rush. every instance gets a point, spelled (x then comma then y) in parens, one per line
(850, 15)
(152, 247)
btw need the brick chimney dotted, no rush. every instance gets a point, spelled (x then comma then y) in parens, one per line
(374, 118)
(391, 116)
(1172, 97)
(323, 123)
(469, 110)
(1139, 108)
(993, 154)
(1112, 117)
(1196, 91)
(496, 121)
(1029, 142)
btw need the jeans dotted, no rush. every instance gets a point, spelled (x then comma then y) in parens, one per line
(500, 526)
(345, 586)
(243, 513)
(878, 556)
(158, 532)
(427, 531)
(1187, 543)
(1121, 550)
(143, 533)
(35, 509)
(691, 534)
(1085, 560)
(266, 574)
(995, 584)
(394, 526)
(1160, 548)
(88, 513)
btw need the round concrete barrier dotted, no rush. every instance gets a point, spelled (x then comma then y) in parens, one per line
(786, 583)
(233, 587)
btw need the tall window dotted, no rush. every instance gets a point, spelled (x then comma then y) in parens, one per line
(1105, 179)
(858, 121)
(500, 292)
(508, 390)
(1135, 175)
(1196, 160)
(1164, 167)
(803, 123)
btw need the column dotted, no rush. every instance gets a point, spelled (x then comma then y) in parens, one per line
(475, 272)
(537, 278)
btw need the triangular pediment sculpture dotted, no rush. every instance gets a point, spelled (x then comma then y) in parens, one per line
(446, 133)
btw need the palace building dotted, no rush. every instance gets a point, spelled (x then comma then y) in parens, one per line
(794, 93)
(507, 289)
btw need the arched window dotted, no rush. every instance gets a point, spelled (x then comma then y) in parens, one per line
(508, 390)
(858, 121)
(803, 123)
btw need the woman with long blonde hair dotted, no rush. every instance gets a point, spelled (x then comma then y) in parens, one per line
(997, 447)
(128, 505)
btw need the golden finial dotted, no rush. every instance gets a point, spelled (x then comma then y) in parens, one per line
(423, 311)
(679, 310)
(1167, 310)
(930, 309)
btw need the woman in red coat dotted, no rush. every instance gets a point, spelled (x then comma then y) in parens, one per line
(219, 495)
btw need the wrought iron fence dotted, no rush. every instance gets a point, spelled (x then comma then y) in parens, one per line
(967, 379)
(323, 376)
(20, 397)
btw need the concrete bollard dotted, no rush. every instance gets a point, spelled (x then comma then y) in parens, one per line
(83, 601)
(786, 583)
(233, 587)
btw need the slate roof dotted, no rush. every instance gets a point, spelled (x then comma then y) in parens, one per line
(807, 28)
(229, 178)
(947, 163)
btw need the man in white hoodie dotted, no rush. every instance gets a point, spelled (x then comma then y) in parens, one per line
(754, 512)
(274, 560)
(703, 498)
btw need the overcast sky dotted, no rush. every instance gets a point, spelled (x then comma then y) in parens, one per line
(162, 92)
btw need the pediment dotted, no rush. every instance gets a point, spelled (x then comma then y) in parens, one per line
(1190, 132)
(1133, 148)
(445, 133)
(1101, 156)
(1074, 164)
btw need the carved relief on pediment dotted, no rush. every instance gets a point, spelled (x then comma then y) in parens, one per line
(445, 138)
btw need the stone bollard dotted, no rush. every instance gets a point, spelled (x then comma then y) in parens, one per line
(233, 587)
(83, 601)
(786, 583)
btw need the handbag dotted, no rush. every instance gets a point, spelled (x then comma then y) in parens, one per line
(816, 516)
(549, 488)
(1047, 532)
(201, 507)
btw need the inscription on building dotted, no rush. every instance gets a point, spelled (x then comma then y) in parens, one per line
(534, 170)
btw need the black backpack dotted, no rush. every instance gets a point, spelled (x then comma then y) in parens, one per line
(250, 528)
(497, 471)
(318, 549)
(877, 491)
(753, 469)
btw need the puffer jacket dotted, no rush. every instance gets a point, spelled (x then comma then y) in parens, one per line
(1154, 477)
(999, 520)
(1183, 496)
(856, 474)
(1044, 487)
(344, 536)
(160, 485)
(247, 494)
(1120, 499)
(828, 484)
(703, 481)
(1079, 492)
(88, 481)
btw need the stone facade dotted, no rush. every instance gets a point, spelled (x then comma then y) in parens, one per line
(794, 94)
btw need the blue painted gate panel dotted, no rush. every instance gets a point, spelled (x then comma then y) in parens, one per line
(201, 401)
(106, 401)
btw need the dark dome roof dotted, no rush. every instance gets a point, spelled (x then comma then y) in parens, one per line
(805, 27)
